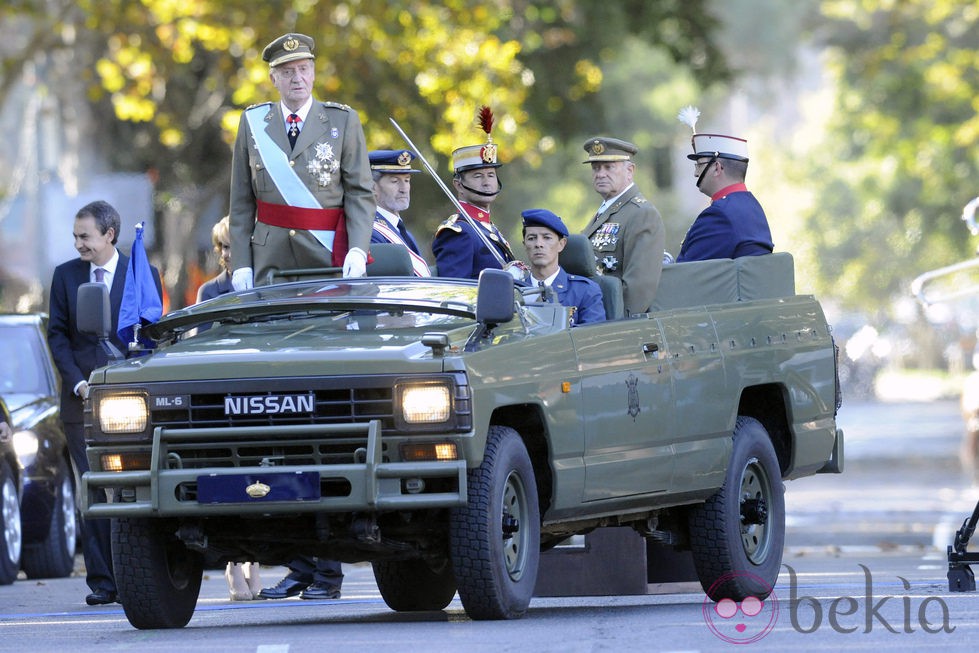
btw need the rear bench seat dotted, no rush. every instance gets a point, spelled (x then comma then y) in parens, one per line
(721, 281)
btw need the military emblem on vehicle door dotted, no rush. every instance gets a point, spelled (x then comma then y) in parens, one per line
(633, 382)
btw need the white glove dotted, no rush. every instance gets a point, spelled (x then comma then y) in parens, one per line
(241, 279)
(355, 263)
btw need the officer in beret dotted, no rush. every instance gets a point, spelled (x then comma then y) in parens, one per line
(627, 231)
(734, 224)
(545, 237)
(392, 171)
(459, 250)
(301, 188)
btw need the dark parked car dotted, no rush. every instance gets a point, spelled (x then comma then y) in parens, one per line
(10, 543)
(41, 467)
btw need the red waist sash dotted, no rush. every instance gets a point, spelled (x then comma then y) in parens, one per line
(294, 217)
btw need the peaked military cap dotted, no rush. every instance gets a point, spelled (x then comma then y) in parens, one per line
(392, 161)
(544, 218)
(288, 47)
(602, 148)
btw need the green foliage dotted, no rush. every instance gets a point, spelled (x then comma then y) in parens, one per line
(170, 77)
(903, 151)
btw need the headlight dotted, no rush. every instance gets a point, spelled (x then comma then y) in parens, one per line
(426, 404)
(25, 446)
(123, 414)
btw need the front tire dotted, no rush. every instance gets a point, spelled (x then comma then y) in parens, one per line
(12, 536)
(55, 556)
(495, 538)
(738, 534)
(413, 585)
(157, 577)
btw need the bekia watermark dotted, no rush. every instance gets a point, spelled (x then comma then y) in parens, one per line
(748, 620)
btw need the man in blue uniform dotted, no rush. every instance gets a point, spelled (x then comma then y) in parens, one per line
(459, 250)
(545, 236)
(392, 171)
(734, 224)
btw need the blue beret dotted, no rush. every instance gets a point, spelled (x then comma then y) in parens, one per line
(392, 161)
(544, 218)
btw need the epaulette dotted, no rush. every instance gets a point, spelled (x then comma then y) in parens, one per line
(260, 104)
(450, 224)
(639, 200)
(337, 105)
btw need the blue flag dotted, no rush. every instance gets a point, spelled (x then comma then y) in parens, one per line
(141, 302)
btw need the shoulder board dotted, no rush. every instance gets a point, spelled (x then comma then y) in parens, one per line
(260, 104)
(336, 105)
(450, 224)
(639, 199)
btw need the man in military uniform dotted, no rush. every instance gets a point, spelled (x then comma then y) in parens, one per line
(734, 224)
(545, 237)
(459, 250)
(627, 231)
(392, 171)
(301, 190)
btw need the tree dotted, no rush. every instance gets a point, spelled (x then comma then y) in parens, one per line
(171, 78)
(902, 152)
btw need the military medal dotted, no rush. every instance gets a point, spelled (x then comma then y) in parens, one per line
(324, 164)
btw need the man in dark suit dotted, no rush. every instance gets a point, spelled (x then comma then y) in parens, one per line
(627, 231)
(96, 232)
(734, 224)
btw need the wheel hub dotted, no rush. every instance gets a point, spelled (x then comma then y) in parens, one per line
(754, 511)
(510, 525)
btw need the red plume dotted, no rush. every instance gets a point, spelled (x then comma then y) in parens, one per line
(486, 119)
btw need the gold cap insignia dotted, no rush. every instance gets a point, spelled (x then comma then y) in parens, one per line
(257, 490)
(290, 44)
(404, 158)
(488, 153)
(597, 147)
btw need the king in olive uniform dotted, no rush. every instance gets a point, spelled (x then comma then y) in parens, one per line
(301, 187)
(627, 232)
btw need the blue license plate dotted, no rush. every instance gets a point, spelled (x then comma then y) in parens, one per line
(251, 488)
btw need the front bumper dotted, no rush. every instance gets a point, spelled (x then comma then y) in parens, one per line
(367, 485)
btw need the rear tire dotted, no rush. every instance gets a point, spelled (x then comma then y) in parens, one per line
(157, 577)
(495, 538)
(10, 543)
(55, 556)
(738, 534)
(413, 585)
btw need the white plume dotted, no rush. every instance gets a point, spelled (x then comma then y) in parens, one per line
(688, 116)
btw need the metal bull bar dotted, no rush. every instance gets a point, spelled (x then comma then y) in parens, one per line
(368, 476)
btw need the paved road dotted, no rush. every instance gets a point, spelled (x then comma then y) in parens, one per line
(864, 557)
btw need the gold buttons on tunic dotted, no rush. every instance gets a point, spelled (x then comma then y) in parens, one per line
(292, 232)
(292, 164)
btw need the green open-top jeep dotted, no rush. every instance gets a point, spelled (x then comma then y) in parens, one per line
(448, 431)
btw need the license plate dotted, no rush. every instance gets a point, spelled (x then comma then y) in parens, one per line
(251, 488)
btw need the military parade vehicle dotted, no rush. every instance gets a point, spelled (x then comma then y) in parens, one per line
(448, 431)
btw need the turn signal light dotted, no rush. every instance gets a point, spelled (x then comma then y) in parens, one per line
(429, 451)
(125, 462)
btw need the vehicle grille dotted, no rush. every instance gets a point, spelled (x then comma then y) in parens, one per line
(337, 400)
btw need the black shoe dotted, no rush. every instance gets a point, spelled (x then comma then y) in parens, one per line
(320, 591)
(101, 597)
(283, 589)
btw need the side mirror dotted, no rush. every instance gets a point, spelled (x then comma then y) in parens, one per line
(494, 299)
(95, 316)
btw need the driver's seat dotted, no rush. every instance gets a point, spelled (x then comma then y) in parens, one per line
(579, 258)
